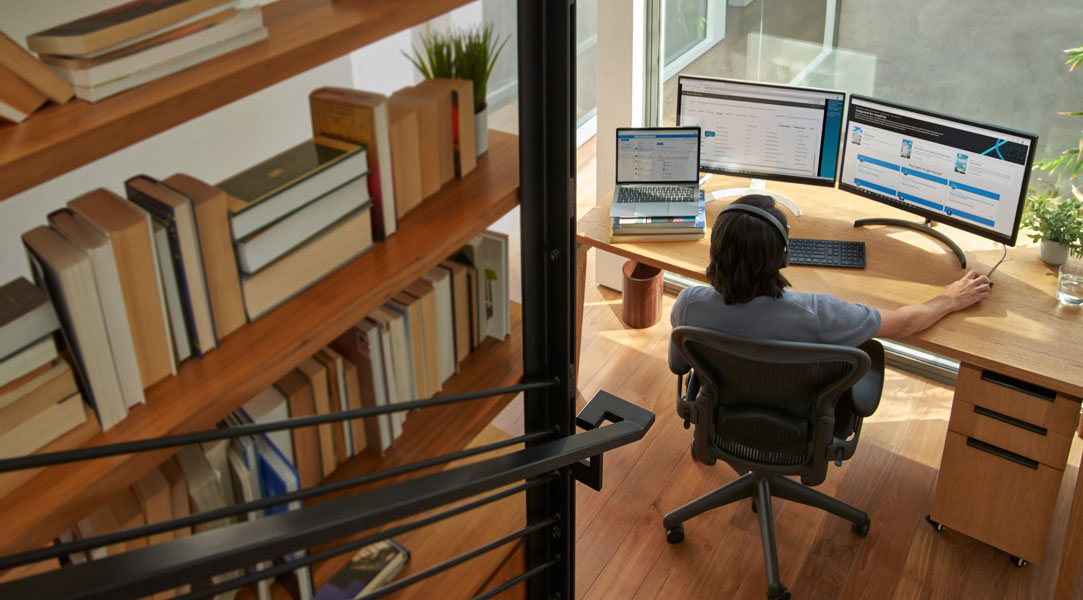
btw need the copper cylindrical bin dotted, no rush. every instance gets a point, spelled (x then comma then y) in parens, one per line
(642, 288)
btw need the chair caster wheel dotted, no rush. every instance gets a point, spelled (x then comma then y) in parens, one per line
(861, 530)
(937, 526)
(783, 594)
(675, 534)
(1018, 562)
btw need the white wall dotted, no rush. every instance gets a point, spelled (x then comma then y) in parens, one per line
(211, 147)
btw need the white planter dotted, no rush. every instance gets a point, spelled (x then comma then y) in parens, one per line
(1052, 253)
(481, 131)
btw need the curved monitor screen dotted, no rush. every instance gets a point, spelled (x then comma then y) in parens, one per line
(763, 130)
(964, 174)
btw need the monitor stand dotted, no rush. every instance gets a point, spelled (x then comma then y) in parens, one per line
(926, 228)
(755, 186)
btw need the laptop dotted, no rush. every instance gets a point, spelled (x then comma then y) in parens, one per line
(657, 172)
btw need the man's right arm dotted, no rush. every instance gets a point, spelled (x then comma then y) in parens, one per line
(908, 320)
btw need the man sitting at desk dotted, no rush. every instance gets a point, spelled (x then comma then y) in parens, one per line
(747, 295)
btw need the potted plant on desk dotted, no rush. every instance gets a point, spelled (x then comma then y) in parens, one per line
(1057, 221)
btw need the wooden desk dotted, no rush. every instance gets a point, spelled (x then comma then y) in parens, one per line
(1020, 334)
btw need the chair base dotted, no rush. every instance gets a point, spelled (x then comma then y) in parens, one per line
(761, 488)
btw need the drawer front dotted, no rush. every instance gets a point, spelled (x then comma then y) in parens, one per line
(987, 494)
(1017, 399)
(1032, 441)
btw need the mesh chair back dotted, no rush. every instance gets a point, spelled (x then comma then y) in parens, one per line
(767, 405)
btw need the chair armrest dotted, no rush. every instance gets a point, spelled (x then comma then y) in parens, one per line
(866, 392)
(677, 364)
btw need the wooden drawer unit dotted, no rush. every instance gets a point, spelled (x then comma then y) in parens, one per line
(1004, 456)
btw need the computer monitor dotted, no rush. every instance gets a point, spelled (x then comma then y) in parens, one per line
(958, 172)
(763, 131)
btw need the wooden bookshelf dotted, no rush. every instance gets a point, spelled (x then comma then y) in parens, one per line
(205, 390)
(302, 34)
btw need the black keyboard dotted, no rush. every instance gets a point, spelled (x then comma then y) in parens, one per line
(661, 193)
(828, 253)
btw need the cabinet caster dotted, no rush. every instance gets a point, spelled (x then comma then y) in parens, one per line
(937, 526)
(1018, 562)
(861, 530)
(675, 534)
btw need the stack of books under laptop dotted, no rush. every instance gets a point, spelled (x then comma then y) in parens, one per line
(660, 229)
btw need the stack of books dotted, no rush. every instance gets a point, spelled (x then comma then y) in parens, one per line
(296, 217)
(660, 229)
(25, 83)
(120, 48)
(39, 398)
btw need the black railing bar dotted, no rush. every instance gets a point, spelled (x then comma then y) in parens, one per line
(170, 564)
(458, 560)
(108, 539)
(362, 542)
(210, 435)
(518, 579)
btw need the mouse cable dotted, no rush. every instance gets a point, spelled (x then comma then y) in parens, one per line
(1005, 246)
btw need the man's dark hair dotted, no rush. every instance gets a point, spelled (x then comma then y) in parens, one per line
(746, 253)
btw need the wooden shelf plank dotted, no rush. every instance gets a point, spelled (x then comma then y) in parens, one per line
(302, 34)
(253, 357)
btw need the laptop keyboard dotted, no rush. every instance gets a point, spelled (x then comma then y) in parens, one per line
(660, 193)
(828, 253)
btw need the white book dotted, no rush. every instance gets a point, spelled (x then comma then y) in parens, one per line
(159, 54)
(445, 322)
(36, 354)
(492, 257)
(393, 395)
(270, 406)
(402, 323)
(261, 248)
(337, 373)
(98, 92)
(174, 308)
(388, 424)
(246, 487)
(96, 245)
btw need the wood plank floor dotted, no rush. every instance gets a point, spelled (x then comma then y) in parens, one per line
(621, 552)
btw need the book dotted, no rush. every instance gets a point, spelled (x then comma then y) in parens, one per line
(440, 98)
(472, 325)
(445, 322)
(461, 95)
(488, 253)
(356, 345)
(25, 315)
(24, 66)
(277, 477)
(385, 352)
(306, 442)
(130, 233)
(369, 568)
(245, 480)
(173, 211)
(341, 436)
(269, 406)
(124, 24)
(179, 63)
(263, 246)
(405, 157)
(343, 241)
(321, 399)
(25, 360)
(174, 304)
(342, 388)
(426, 295)
(178, 494)
(67, 275)
(288, 181)
(362, 118)
(18, 99)
(92, 72)
(219, 262)
(353, 400)
(23, 402)
(92, 242)
(656, 237)
(155, 498)
(79, 435)
(410, 309)
(399, 353)
(206, 492)
(425, 110)
(460, 307)
(663, 227)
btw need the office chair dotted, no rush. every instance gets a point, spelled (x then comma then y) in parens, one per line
(771, 410)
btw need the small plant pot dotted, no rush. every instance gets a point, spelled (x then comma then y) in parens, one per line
(641, 305)
(481, 131)
(1052, 253)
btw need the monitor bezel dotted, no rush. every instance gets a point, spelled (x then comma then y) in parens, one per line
(616, 167)
(758, 174)
(1008, 240)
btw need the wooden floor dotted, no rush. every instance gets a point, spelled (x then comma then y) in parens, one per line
(621, 552)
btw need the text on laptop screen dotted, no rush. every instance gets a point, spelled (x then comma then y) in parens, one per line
(656, 156)
(966, 174)
(763, 130)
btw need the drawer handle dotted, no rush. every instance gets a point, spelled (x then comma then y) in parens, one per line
(1002, 453)
(1003, 418)
(1019, 385)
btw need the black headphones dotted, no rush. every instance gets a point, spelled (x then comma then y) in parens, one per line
(766, 216)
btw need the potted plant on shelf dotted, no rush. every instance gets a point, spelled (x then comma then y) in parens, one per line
(464, 54)
(1056, 219)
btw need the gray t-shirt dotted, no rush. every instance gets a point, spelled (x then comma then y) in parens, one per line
(795, 317)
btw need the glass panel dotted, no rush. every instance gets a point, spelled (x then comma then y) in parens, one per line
(586, 37)
(685, 23)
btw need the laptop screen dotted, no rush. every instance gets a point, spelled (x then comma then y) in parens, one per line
(662, 155)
